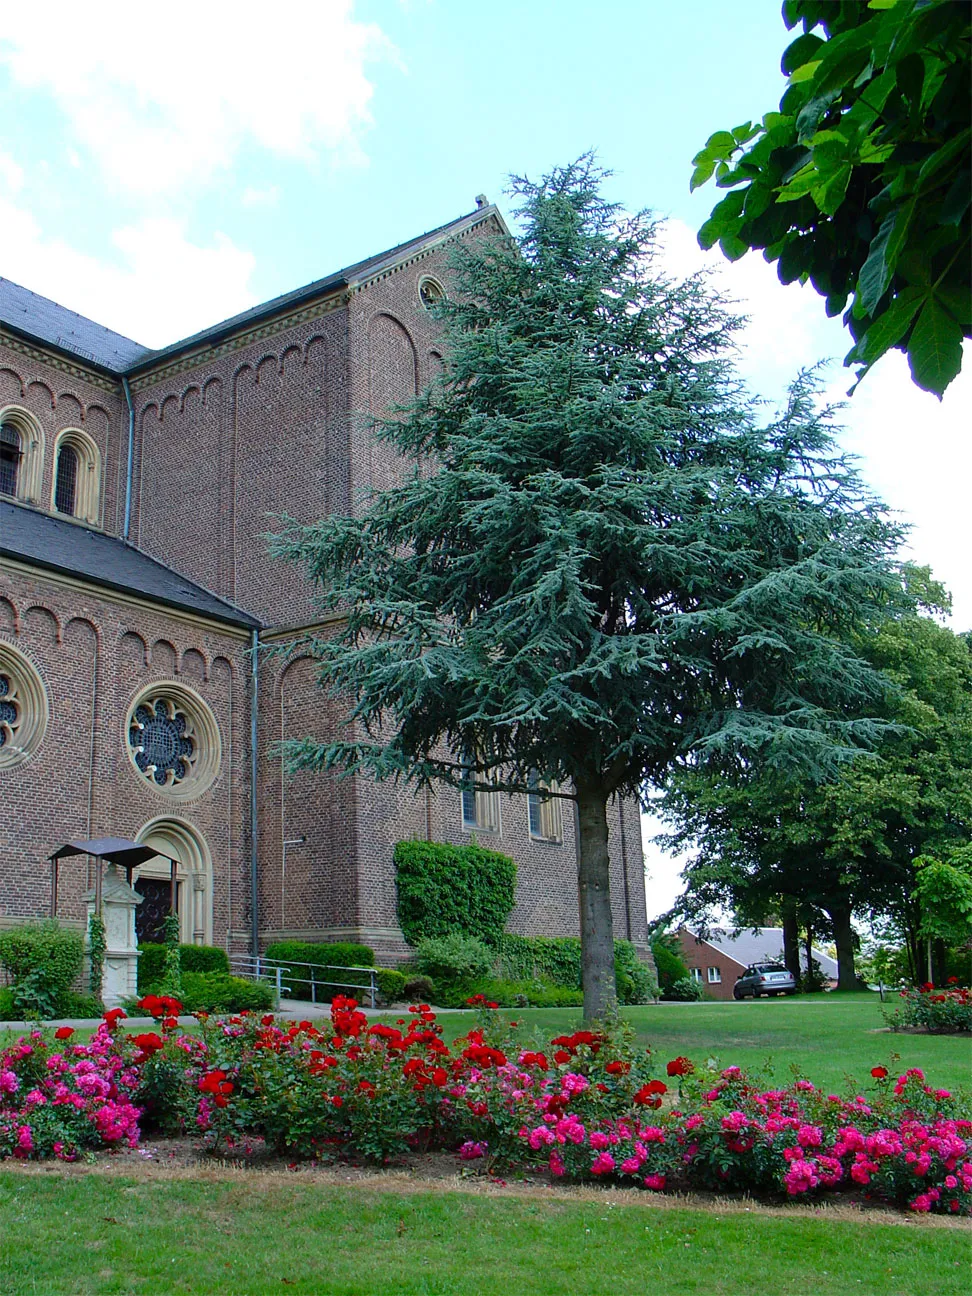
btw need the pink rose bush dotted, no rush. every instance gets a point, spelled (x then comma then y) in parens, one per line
(584, 1106)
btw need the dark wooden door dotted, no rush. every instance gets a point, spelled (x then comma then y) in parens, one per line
(156, 896)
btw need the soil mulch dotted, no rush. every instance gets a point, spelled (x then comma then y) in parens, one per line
(252, 1163)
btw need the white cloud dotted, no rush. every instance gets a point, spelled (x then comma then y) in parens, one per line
(269, 197)
(163, 96)
(11, 175)
(163, 288)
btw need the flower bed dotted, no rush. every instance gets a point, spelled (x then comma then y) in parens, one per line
(585, 1106)
(945, 1010)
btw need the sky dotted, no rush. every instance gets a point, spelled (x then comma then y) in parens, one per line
(163, 168)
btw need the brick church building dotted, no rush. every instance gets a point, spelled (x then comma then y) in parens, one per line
(135, 489)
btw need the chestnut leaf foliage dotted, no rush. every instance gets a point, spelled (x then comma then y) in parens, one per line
(861, 181)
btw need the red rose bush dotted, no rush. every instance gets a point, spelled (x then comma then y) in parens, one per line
(580, 1106)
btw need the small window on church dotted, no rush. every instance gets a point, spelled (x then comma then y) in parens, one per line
(543, 813)
(431, 292)
(11, 454)
(66, 485)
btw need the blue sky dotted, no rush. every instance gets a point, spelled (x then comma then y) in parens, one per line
(161, 169)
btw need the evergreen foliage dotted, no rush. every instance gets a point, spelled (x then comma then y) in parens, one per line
(616, 566)
(444, 889)
(44, 948)
(861, 181)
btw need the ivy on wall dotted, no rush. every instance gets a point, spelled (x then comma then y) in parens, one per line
(443, 889)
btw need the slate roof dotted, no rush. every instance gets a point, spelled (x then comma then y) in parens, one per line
(39, 318)
(34, 316)
(763, 944)
(58, 545)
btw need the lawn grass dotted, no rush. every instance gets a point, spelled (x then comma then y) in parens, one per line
(827, 1036)
(89, 1234)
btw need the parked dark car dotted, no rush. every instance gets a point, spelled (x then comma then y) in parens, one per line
(764, 979)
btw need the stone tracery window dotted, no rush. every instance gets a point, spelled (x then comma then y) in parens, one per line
(9, 711)
(21, 454)
(173, 740)
(23, 707)
(431, 292)
(160, 736)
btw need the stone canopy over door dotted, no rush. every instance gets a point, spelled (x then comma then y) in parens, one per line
(194, 879)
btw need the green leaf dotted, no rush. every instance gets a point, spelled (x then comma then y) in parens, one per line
(701, 174)
(829, 195)
(882, 258)
(935, 350)
(720, 146)
(803, 49)
(891, 325)
(881, 4)
(804, 73)
(733, 247)
(958, 146)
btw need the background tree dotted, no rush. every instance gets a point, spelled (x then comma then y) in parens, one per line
(861, 182)
(614, 564)
(850, 844)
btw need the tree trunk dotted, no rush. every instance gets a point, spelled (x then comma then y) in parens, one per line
(840, 916)
(791, 939)
(594, 897)
(809, 981)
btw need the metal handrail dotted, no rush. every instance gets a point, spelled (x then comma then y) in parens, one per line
(258, 968)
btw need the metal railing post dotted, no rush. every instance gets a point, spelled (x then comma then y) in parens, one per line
(374, 989)
(279, 979)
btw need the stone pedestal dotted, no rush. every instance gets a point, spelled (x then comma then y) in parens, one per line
(118, 901)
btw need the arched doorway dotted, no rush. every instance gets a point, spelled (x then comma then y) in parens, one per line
(194, 877)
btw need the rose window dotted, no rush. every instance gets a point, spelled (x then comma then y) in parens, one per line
(9, 710)
(160, 735)
(430, 293)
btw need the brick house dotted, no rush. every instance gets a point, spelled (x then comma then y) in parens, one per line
(718, 960)
(136, 488)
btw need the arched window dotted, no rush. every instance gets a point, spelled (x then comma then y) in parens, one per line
(10, 457)
(76, 486)
(21, 454)
(66, 482)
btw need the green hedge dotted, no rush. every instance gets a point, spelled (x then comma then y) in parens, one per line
(322, 954)
(192, 958)
(556, 960)
(444, 889)
(218, 992)
(42, 948)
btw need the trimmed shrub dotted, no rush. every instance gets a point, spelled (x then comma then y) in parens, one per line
(42, 954)
(343, 954)
(418, 988)
(556, 961)
(217, 992)
(684, 990)
(391, 985)
(670, 967)
(6, 1005)
(553, 959)
(454, 960)
(444, 889)
(192, 958)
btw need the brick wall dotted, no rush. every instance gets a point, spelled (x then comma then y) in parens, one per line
(94, 654)
(702, 955)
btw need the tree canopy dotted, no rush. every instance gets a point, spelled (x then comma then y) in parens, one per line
(861, 181)
(615, 563)
(852, 843)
